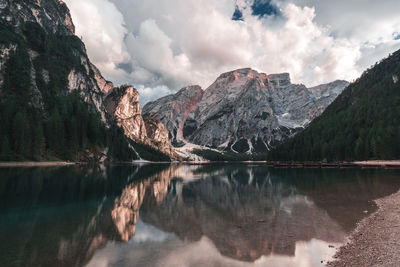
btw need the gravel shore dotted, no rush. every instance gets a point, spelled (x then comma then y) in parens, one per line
(376, 240)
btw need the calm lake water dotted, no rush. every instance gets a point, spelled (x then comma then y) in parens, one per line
(182, 215)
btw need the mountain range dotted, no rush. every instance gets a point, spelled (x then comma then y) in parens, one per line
(243, 111)
(55, 104)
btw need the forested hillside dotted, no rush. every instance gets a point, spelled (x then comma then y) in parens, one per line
(363, 123)
(40, 117)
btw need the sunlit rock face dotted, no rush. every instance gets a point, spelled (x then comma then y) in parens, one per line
(123, 104)
(243, 110)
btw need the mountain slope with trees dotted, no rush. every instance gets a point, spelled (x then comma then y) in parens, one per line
(363, 123)
(47, 121)
(51, 96)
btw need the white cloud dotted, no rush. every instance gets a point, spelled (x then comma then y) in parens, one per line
(170, 44)
(101, 26)
(368, 23)
(152, 93)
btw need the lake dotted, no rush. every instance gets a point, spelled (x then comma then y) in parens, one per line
(182, 215)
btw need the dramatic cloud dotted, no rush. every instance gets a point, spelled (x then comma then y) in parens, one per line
(161, 46)
(101, 27)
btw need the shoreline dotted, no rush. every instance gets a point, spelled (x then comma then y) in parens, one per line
(36, 163)
(375, 241)
(371, 163)
(379, 162)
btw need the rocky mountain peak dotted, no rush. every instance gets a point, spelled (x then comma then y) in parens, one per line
(239, 73)
(243, 111)
(235, 79)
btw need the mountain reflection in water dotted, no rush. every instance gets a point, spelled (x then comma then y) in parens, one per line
(152, 215)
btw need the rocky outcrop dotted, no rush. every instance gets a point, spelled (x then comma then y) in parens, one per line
(104, 85)
(243, 111)
(158, 135)
(123, 104)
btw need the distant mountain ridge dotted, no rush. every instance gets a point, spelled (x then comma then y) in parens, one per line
(242, 111)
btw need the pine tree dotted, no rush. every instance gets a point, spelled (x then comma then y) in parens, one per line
(5, 150)
(21, 134)
(38, 141)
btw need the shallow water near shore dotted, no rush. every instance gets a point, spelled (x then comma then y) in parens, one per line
(182, 215)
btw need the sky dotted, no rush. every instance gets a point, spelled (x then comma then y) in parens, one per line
(160, 46)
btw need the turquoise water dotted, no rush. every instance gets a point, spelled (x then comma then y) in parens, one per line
(182, 215)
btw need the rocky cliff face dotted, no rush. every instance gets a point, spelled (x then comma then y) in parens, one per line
(173, 110)
(123, 104)
(243, 110)
(51, 18)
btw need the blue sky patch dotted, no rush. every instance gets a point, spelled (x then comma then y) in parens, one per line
(237, 15)
(263, 8)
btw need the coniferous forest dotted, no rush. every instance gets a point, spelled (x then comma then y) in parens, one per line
(363, 123)
(62, 126)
